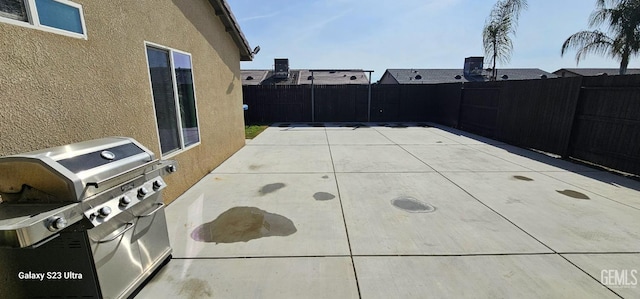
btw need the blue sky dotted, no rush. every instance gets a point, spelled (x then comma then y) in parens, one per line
(378, 35)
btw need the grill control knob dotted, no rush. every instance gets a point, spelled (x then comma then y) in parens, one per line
(57, 223)
(125, 201)
(171, 168)
(104, 212)
(142, 192)
(157, 185)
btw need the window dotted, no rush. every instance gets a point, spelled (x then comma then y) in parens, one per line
(58, 16)
(174, 98)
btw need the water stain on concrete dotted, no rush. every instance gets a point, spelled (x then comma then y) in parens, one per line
(322, 196)
(522, 178)
(195, 288)
(243, 224)
(325, 176)
(410, 204)
(574, 194)
(270, 188)
(255, 166)
(513, 200)
(438, 141)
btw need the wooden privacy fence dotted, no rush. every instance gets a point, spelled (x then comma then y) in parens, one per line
(594, 119)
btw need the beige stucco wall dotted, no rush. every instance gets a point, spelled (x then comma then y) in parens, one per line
(56, 90)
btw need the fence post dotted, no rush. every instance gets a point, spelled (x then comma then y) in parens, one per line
(313, 103)
(568, 134)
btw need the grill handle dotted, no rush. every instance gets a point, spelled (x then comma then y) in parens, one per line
(159, 206)
(100, 182)
(127, 227)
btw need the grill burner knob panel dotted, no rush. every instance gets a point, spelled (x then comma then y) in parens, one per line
(56, 223)
(171, 168)
(157, 185)
(142, 192)
(125, 201)
(104, 212)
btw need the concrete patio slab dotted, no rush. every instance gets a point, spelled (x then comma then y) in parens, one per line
(286, 215)
(565, 218)
(619, 272)
(360, 136)
(530, 159)
(459, 224)
(415, 136)
(375, 158)
(519, 276)
(605, 184)
(254, 278)
(282, 136)
(460, 158)
(278, 159)
(279, 214)
(463, 137)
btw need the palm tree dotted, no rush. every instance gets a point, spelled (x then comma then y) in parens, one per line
(623, 20)
(502, 22)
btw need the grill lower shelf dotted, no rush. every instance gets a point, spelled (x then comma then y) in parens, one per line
(74, 265)
(63, 267)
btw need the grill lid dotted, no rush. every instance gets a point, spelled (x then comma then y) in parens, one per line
(63, 173)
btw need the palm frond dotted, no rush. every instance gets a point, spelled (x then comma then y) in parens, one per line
(588, 42)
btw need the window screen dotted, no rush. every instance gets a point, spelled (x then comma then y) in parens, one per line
(163, 97)
(13, 9)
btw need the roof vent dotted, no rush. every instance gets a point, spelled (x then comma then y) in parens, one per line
(418, 77)
(543, 76)
(249, 78)
(332, 72)
(458, 77)
(353, 77)
(310, 78)
(505, 77)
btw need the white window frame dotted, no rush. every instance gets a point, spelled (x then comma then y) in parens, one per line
(33, 21)
(176, 100)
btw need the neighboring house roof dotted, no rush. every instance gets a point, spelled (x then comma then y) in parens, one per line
(233, 28)
(593, 72)
(253, 77)
(303, 77)
(333, 77)
(434, 76)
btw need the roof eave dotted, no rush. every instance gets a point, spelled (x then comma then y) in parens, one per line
(232, 27)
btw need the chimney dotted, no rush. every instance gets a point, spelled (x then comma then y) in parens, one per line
(473, 66)
(281, 68)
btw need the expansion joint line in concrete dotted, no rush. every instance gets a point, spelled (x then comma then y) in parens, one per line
(344, 220)
(587, 273)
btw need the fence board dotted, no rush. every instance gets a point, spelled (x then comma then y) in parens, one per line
(538, 113)
(607, 125)
(479, 107)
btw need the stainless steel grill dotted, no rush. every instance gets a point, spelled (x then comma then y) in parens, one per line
(84, 220)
